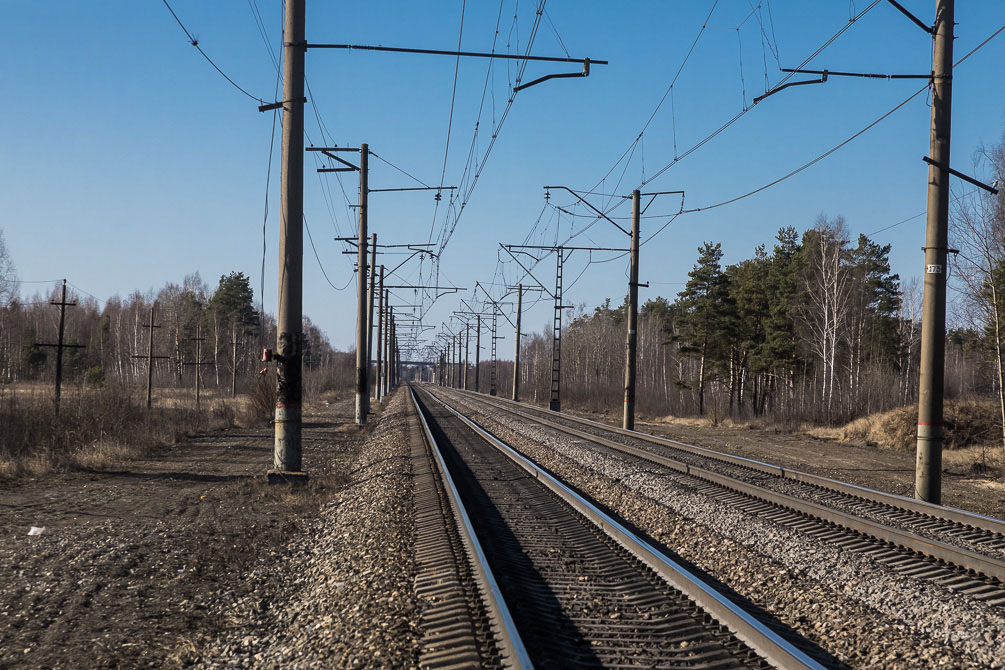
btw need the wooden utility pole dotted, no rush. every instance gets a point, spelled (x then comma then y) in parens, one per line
(628, 422)
(150, 356)
(198, 339)
(516, 345)
(379, 371)
(928, 469)
(362, 356)
(369, 318)
(287, 453)
(478, 350)
(59, 343)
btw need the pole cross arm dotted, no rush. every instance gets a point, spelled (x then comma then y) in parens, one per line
(867, 75)
(970, 180)
(276, 105)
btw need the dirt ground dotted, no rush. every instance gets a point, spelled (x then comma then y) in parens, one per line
(137, 555)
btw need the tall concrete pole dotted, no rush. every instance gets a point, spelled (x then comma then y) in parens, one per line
(362, 356)
(369, 318)
(387, 342)
(289, 321)
(633, 318)
(379, 372)
(387, 339)
(478, 351)
(516, 345)
(928, 469)
(467, 347)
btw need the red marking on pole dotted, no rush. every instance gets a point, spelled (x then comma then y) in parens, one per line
(926, 423)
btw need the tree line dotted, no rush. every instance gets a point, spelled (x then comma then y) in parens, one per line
(115, 337)
(817, 328)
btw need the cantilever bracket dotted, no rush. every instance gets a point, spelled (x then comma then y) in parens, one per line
(564, 75)
(970, 180)
(821, 80)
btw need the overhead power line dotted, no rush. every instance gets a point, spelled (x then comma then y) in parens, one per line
(195, 42)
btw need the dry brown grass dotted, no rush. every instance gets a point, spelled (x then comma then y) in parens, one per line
(971, 423)
(95, 427)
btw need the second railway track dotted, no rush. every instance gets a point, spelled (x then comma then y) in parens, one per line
(958, 550)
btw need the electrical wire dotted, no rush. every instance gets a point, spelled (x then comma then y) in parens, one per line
(311, 238)
(194, 42)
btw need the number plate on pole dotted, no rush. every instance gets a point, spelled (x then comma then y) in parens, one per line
(934, 269)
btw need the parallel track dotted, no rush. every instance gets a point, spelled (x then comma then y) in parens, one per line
(583, 590)
(912, 538)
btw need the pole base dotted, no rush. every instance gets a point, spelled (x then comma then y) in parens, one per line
(281, 477)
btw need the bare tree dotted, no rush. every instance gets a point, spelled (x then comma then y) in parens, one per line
(978, 230)
(8, 277)
(827, 288)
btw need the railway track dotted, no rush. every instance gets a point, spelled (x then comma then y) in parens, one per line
(955, 549)
(565, 585)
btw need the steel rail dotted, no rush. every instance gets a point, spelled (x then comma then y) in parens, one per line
(942, 551)
(771, 646)
(514, 653)
(973, 519)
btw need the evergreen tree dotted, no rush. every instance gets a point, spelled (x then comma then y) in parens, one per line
(706, 316)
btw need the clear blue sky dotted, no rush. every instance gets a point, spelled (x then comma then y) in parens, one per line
(127, 161)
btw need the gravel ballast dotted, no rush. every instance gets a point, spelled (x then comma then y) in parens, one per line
(863, 612)
(345, 597)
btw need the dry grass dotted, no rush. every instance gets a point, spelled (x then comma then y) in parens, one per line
(971, 423)
(94, 427)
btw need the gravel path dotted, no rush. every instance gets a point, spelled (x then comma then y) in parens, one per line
(341, 594)
(864, 613)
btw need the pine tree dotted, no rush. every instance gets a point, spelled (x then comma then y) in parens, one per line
(706, 316)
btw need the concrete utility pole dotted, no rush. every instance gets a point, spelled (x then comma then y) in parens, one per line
(362, 355)
(387, 341)
(59, 343)
(928, 469)
(633, 317)
(467, 347)
(516, 346)
(478, 351)
(287, 452)
(379, 372)
(369, 317)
